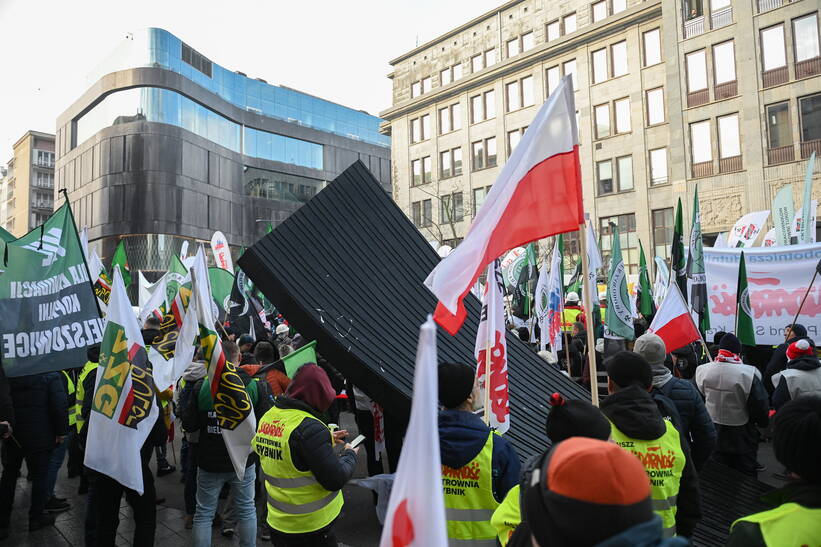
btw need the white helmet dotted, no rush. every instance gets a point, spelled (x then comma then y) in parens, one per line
(573, 297)
(282, 329)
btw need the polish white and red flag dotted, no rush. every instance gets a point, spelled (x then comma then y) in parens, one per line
(673, 322)
(538, 194)
(416, 510)
(491, 352)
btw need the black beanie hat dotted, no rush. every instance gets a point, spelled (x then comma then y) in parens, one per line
(798, 330)
(455, 383)
(627, 368)
(731, 343)
(93, 353)
(797, 437)
(575, 418)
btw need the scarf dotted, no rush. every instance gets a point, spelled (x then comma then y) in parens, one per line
(726, 356)
(663, 378)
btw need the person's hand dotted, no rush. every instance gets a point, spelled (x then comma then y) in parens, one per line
(58, 440)
(7, 434)
(339, 436)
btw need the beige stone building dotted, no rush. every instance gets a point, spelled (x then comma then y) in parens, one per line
(28, 187)
(670, 94)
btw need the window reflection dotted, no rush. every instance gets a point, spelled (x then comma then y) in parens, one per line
(262, 183)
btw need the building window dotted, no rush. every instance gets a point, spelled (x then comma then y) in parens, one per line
(450, 163)
(809, 109)
(805, 36)
(513, 138)
(599, 65)
(196, 59)
(519, 93)
(773, 52)
(652, 47)
(483, 107)
(655, 106)
(627, 238)
(425, 127)
(658, 166)
(420, 128)
(625, 173)
(421, 169)
(479, 195)
(604, 176)
(477, 62)
(427, 169)
(416, 89)
(422, 212)
(618, 54)
(513, 47)
(701, 142)
(569, 23)
(554, 31)
(779, 128)
(663, 232)
(569, 67)
(601, 114)
(450, 118)
(452, 208)
(416, 170)
(445, 76)
(622, 110)
(729, 143)
(599, 11)
(693, 9)
(619, 6)
(528, 41)
(553, 79)
(724, 62)
(483, 153)
(426, 85)
(490, 57)
(696, 71)
(457, 71)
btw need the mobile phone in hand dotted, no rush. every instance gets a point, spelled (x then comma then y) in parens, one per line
(357, 441)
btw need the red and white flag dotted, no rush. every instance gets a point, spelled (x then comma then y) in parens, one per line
(537, 194)
(416, 511)
(673, 322)
(491, 349)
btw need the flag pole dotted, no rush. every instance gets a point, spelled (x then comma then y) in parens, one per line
(488, 344)
(591, 341)
(806, 294)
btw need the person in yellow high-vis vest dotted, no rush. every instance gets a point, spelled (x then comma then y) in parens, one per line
(85, 384)
(479, 467)
(638, 427)
(302, 475)
(797, 446)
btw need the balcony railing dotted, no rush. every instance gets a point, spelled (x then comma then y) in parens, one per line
(703, 169)
(44, 163)
(807, 68)
(767, 5)
(721, 17)
(780, 154)
(694, 27)
(808, 147)
(43, 205)
(729, 165)
(697, 98)
(726, 90)
(775, 76)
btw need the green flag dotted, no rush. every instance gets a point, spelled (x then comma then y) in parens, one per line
(304, 355)
(783, 214)
(696, 272)
(46, 300)
(222, 281)
(618, 318)
(526, 284)
(804, 236)
(575, 282)
(177, 273)
(120, 259)
(645, 297)
(744, 313)
(678, 260)
(269, 228)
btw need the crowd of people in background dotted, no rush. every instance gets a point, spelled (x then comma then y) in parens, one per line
(631, 465)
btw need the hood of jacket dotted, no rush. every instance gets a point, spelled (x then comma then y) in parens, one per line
(312, 386)
(645, 534)
(634, 413)
(805, 362)
(462, 435)
(194, 371)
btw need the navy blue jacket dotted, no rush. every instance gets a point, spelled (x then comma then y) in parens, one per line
(694, 421)
(781, 395)
(462, 435)
(40, 409)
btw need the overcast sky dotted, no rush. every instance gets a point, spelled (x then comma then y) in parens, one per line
(338, 50)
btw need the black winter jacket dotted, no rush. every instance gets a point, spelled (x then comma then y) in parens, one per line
(634, 412)
(6, 404)
(695, 423)
(41, 410)
(781, 395)
(311, 451)
(748, 534)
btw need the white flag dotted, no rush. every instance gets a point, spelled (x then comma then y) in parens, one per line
(541, 298)
(721, 241)
(769, 239)
(795, 230)
(416, 511)
(156, 301)
(746, 229)
(123, 408)
(594, 262)
(84, 242)
(222, 253)
(491, 336)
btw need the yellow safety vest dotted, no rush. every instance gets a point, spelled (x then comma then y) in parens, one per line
(469, 501)
(507, 516)
(569, 316)
(297, 503)
(663, 460)
(788, 524)
(71, 398)
(81, 393)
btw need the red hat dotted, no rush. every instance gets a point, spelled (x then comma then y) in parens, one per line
(799, 348)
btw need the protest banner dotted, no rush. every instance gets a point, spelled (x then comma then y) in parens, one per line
(778, 278)
(48, 302)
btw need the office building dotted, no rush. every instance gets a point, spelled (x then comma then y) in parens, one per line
(167, 146)
(28, 184)
(670, 95)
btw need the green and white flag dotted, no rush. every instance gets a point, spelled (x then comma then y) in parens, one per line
(121, 259)
(645, 303)
(783, 213)
(222, 281)
(526, 284)
(618, 318)
(696, 272)
(807, 232)
(678, 260)
(176, 276)
(744, 313)
(50, 314)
